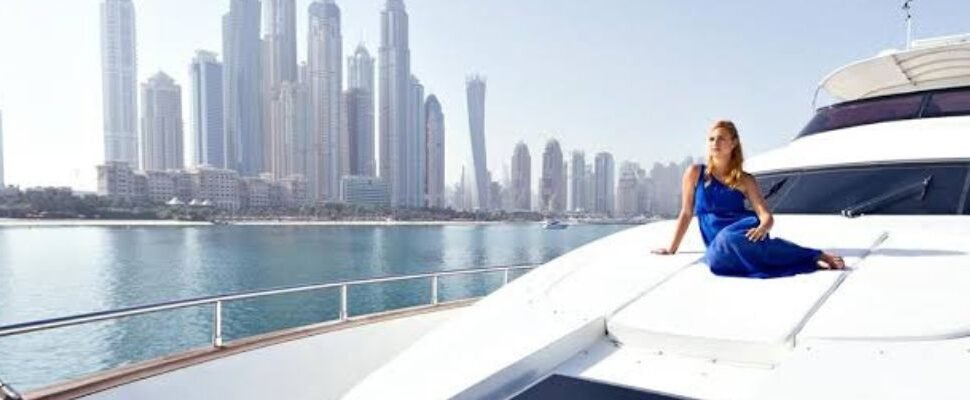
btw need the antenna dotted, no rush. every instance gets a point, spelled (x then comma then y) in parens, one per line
(909, 22)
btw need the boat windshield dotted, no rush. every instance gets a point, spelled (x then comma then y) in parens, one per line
(928, 104)
(906, 188)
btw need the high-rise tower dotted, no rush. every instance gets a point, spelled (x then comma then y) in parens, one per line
(521, 178)
(475, 89)
(208, 133)
(161, 124)
(395, 90)
(325, 63)
(358, 112)
(241, 87)
(551, 187)
(435, 161)
(118, 76)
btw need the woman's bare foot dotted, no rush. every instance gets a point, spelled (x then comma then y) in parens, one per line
(831, 261)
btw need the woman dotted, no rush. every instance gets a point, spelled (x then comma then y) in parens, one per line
(737, 239)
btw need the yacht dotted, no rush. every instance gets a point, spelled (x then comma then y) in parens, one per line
(880, 176)
(554, 224)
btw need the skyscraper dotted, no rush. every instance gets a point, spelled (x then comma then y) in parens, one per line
(241, 77)
(395, 80)
(564, 185)
(416, 148)
(289, 144)
(604, 183)
(435, 161)
(552, 178)
(578, 179)
(279, 73)
(460, 192)
(360, 70)
(357, 125)
(627, 189)
(161, 124)
(521, 178)
(208, 134)
(300, 145)
(279, 37)
(325, 63)
(118, 75)
(358, 113)
(475, 90)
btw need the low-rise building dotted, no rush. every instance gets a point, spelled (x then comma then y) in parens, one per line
(366, 191)
(254, 193)
(116, 179)
(219, 187)
(161, 186)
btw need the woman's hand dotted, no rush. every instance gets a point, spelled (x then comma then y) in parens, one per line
(663, 252)
(758, 233)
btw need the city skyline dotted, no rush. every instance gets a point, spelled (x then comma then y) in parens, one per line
(773, 108)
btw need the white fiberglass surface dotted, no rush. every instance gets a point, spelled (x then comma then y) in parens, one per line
(914, 286)
(901, 72)
(699, 314)
(317, 367)
(873, 370)
(919, 139)
(554, 302)
(693, 377)
(675, 297)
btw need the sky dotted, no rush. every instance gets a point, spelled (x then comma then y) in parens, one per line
(640, 79)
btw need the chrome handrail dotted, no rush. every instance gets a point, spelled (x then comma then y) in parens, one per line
(217, 300)
(8, 393)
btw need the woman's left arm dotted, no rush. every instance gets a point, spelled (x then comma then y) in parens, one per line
(753, 192)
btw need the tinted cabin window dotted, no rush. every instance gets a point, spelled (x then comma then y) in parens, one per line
(929, 104)
(829, 191)
(948, 104)
(861, 113)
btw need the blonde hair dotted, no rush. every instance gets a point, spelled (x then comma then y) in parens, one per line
(734, 167)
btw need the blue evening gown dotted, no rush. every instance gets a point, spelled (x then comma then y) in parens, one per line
(724, 220)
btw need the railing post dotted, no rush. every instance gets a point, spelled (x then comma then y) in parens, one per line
(7, 392)
(343, 302)
(434, 289)
(217, 325)
(505, 277)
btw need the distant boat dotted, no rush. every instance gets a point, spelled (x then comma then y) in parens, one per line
(554, 224)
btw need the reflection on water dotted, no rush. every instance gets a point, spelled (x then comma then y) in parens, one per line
(52, 272)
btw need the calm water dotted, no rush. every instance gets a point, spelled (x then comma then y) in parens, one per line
(51, 272)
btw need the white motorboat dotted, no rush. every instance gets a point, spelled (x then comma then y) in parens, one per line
(554, 224)
(881, 177)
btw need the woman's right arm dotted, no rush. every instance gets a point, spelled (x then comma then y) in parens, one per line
(686, 208)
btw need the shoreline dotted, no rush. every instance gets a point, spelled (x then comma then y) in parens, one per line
(30, 223)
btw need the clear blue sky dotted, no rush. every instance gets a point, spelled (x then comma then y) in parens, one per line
(641, 79)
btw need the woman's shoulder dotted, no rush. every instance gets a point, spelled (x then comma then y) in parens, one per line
(694, 171)
(746, 177)
(747, 180)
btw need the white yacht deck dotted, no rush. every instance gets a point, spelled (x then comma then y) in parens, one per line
(666, 324)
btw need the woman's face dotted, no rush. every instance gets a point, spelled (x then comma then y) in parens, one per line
(720, 143)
